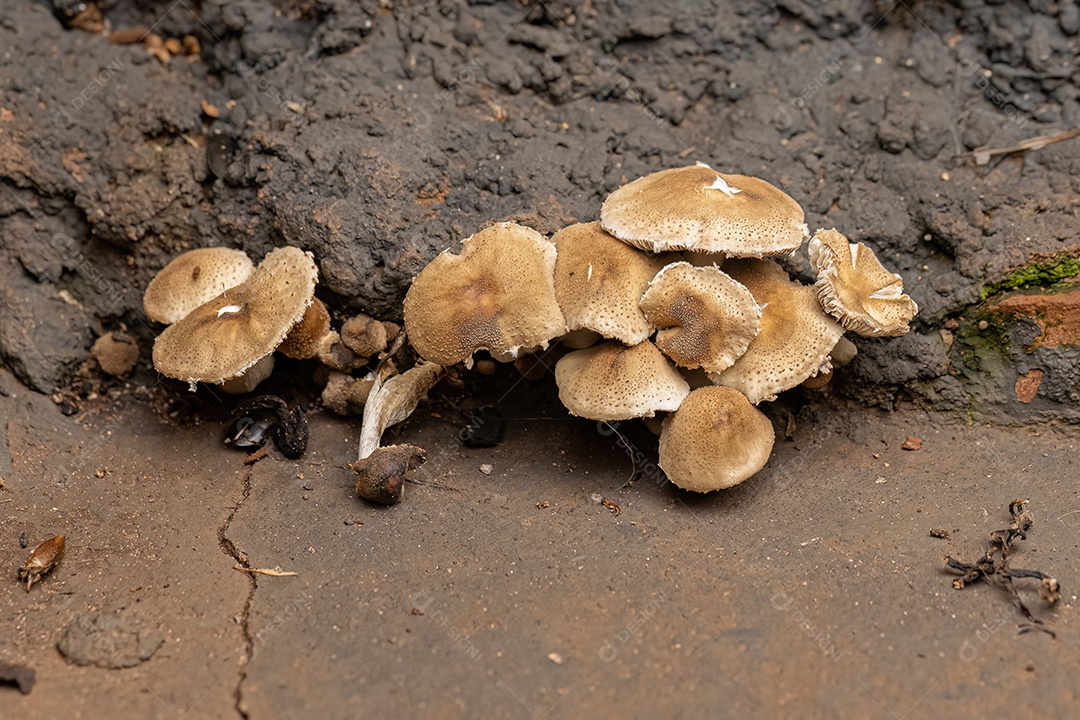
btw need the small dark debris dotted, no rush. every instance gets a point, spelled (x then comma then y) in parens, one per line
(485, 428)
(219, 154)
(24, 540)
(270, 416)
(939, 533)
(543, 505)
(20, 676)
(68, 409)
(993, 567)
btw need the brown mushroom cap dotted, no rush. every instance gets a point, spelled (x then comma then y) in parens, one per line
(705, 318)
(614, 382)
(497, 295)
(716, 439)
(697, 208)
(855, 288)
(191, 279)
(598, 281)
(225, 336)
(302, 342)
(796, 335)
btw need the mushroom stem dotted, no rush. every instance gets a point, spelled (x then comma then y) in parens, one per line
(392, 401)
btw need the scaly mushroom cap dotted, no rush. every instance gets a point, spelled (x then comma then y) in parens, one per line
(796, 335)
(191, 279)
(855, 288)
(706, 319)
(716, 439)
(302, 342)
(222, 338)
(598, 281)
(697, 208)
(614, 382)
(497, 295)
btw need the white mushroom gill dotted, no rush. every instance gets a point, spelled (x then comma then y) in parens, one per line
(229, 309)
(720, 184)
(854, 254)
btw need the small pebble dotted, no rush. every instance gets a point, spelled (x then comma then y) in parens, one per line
(486, 468)
(983, 324)
(881, 481)
(555, 658)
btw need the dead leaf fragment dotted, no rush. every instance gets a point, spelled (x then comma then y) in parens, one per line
(1027, 385)
(912, 443)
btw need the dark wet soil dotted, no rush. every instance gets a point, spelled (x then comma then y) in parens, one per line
(571, 580)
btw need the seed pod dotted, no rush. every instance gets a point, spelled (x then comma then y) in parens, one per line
(42, 560)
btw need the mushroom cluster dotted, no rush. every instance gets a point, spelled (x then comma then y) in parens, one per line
(669, 304)
(226, 319)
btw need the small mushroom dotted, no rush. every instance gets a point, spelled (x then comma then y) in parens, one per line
(796, 335)
(599, 280)
(346, 395)
(364, 335)
(497, 295)
(614, 382)
(698, 208)
(193, 278)
(115, 353)
(336, 355)
(381, 471)
(42, 560)
(715, 440)
(855, 288)
(303, 339)
(705, 318)
(225, 336)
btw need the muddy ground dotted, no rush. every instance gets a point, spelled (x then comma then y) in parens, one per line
(376, 134)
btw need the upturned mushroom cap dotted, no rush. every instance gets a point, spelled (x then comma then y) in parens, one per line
(697, 208)
(222, 338)
(392, 401)
(599, 280)
(796, 335)
(855, 287)
(614, 382)
(302, 342)
(705, 318)
(497, 295)
(191, 279)
(716, 439)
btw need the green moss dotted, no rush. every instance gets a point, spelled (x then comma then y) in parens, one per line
(1037, 274)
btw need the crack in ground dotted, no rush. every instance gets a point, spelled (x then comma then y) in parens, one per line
(231, 550)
